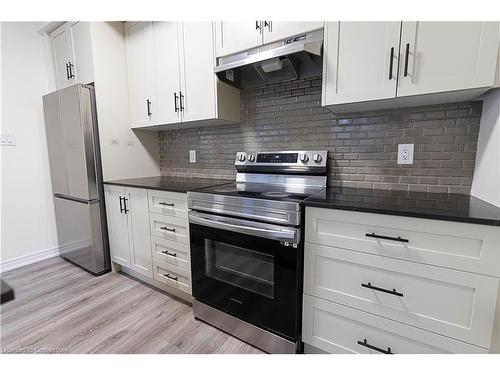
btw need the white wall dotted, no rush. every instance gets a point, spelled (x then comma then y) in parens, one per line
(27, 212)
(486, 182)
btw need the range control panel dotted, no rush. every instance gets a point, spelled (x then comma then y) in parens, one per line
(282, 158)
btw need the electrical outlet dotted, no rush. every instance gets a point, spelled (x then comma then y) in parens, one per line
(192, 156)
(405, 154)
(8, 140)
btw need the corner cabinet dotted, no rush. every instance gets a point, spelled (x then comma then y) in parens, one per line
(128, 228)
(373, 65)
(171, 76)
(72, 52)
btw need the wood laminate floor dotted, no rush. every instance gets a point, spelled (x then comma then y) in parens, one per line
(60, 308)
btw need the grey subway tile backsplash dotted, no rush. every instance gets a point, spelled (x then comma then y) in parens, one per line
(362, 146)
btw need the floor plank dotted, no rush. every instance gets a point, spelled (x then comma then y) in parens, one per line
(60, 308)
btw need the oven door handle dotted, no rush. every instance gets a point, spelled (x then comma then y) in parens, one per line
(278, 234)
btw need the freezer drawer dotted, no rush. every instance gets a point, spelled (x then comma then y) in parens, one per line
(81, 234)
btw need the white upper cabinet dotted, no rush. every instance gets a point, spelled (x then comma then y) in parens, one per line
(278, 30)
(447, 56)
(167, 66)
(360, 61)
(72, 50)
(82, 48)
(141, 72)
(451, 60)
(235, 37)
(198, 94)
(171, 76)
(63, 56)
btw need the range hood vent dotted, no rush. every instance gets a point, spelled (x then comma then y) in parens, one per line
(286, 60)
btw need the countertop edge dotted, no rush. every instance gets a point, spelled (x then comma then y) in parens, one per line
(381, 211)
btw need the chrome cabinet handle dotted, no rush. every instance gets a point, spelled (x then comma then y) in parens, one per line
(175, 278)
(407, 53)
(125, 209)
(391, 63)
(148, 105)
(257, 25)
(166, 204)
(388, 291)
(71, 75)
(166, 252)
(168, 229)
(268, 24)
(369, 346)
(398, 238)
(121, 207)
(67, 71)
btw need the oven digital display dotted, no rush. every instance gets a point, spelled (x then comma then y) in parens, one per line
(278, 158)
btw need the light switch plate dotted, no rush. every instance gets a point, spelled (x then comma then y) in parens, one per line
(405, 153)
(8, 140)
(192, 156)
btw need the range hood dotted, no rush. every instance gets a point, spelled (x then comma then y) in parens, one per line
(286, 60)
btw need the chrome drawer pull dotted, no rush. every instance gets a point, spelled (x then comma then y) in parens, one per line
(388, 291)
(166, 204)
(398, 238)
(168, 229)
(170, 277)
(365, 344)
(166, 252)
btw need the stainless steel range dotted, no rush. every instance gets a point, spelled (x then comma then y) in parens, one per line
(246, 247)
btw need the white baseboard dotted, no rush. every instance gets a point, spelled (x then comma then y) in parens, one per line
(24, 260)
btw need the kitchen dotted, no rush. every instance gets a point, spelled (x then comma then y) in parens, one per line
(262, 186)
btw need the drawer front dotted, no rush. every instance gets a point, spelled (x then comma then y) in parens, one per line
(336, 328)
(168, 203)
(171, 275)
(175, 253)
(169, 228)
(467, 247)
(453, 303)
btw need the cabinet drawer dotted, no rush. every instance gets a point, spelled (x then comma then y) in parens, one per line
(171, 252)
(167, 203)
(170, 228)
(172, 275)
(468, 247)
(337, 329)
(453, 303)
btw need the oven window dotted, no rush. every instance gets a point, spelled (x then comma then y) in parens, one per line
(240, 267)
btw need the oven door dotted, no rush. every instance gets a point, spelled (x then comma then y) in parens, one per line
(247, 269)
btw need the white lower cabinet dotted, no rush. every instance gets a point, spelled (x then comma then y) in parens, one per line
(412, 285)
(148, 234)
(128, 228)
(334, 328)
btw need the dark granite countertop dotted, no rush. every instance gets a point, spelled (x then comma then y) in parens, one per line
(449, 207)
(176, 184)
(6, 292)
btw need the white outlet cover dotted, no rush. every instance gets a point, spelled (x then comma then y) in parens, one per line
(405, 153)
(192, 156)
(8, 140)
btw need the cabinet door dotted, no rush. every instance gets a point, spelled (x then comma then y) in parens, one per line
(82, 49)
(141, 74)
(198, 82)
(446, 56)
(63, 56)
(277, 30)
(138, 230)
(238, 36)
(117, 225)
(357, 61)
(167, 60)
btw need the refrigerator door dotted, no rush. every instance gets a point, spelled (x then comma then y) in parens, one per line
(75, 103)
(55, 144)
(80, 233)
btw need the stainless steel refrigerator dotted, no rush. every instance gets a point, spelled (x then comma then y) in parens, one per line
(75, 168)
